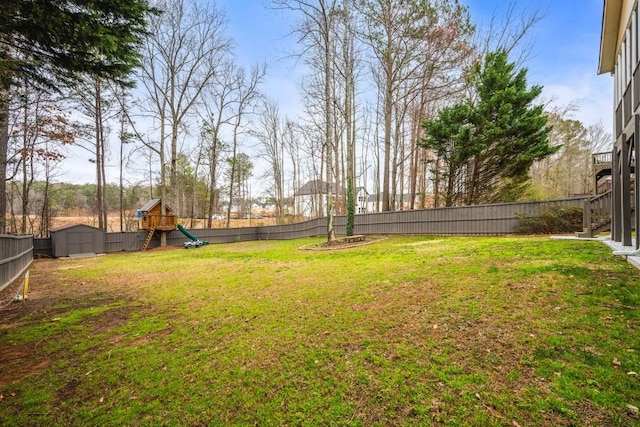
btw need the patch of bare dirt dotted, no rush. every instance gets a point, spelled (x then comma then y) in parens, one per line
(341, 244)
(18, 362)
(49, 300)
(164, 248)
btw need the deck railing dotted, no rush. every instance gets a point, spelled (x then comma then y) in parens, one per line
(596, 214)
(601, 158)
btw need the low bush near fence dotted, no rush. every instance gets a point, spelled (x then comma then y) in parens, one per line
(554, 220)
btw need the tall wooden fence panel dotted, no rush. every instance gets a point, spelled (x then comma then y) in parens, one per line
(16, 254)
(494, 219)
(464, 220)
(42, 247)
(216, 235)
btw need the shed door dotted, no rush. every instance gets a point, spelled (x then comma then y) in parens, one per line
(81, 242)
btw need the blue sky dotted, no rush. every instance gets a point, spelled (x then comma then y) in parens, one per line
(563, 59)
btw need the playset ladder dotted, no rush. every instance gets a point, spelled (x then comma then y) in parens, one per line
(149, 237)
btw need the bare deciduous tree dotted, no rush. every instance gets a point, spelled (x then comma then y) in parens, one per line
(187, 43)
(316, 32)
(216, 113)
(269, 133)
(246, 94)
(401, 35)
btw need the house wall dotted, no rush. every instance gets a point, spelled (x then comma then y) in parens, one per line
(615, 19)
(626, 13)
(626, 117)
(308, 205)
(361, 202)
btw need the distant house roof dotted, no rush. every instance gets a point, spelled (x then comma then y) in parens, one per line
(316, 186)
(359, 189)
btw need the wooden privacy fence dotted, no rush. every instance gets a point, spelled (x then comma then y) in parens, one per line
(478, 220)
(16, 254)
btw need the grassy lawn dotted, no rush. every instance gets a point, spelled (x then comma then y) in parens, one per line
(407, 331)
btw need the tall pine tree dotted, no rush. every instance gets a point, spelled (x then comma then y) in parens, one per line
(53, 43)
(495, 136)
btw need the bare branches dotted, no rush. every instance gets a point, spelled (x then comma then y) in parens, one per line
(181, 58)
(510, 29)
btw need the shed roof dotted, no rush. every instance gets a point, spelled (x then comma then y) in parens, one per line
(67, 226)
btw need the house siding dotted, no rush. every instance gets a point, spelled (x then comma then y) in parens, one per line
(626, 114)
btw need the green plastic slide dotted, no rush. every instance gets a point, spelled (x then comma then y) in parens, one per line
(189, 235)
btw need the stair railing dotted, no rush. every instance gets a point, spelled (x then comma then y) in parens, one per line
(596, 213)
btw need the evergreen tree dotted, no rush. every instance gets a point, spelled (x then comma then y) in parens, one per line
(494, 138)
(449, 136)
(50, 41)
(53, 43)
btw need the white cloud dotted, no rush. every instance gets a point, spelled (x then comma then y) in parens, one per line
(592, 93)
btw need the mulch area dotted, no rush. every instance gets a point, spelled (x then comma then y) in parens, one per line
(339, 243)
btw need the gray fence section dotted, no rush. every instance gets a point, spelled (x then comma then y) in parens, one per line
(494, 219)
(42, 247)
(16, 254)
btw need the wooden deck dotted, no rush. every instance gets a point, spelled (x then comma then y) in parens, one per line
(602, 166)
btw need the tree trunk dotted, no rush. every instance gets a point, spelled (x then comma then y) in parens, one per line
(351, 145)
(213, 165)
(4, 144)
(331, 237)
(25, 156)
(388, 112)
(121, 175)
(233, 168)
(98, 159)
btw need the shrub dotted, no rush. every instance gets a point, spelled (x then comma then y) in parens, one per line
(554, 220)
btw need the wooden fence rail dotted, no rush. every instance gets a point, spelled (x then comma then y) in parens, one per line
(16, 254)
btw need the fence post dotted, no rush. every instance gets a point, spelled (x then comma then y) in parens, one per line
(586, 217)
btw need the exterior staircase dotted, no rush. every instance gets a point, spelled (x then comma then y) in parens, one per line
(596, 215)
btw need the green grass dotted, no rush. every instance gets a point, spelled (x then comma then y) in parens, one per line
(407, 331)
